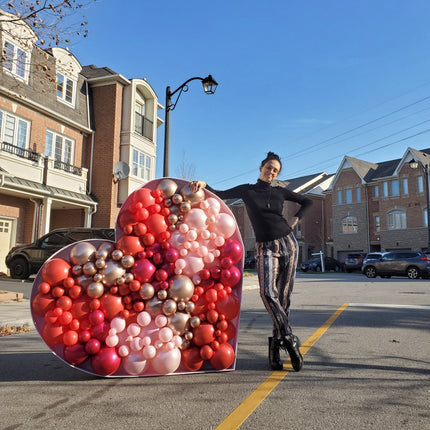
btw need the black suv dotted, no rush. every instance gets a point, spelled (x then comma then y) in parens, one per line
(413, 264)
(354, 261)
(25, 260)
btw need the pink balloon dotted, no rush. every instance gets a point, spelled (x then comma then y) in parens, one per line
(194, 264)
(233, 249)
(106, 361)
(134, 364)
(166, 361)
(143, 270)
(225, 226)
(196, 219)
(234, 278)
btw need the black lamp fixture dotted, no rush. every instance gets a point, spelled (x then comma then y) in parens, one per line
(209, 87)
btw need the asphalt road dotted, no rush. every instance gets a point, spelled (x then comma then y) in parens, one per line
(368, 367)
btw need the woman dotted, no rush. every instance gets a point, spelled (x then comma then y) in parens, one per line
(276, 251)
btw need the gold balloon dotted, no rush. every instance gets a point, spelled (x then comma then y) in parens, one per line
(188, 336)
(181, 306)
(185, 207)
(127, 261)
(102, 254)
(129, 277)
(181, 288)
(108, 246)
(177, 199)
(168, 203)
(153, 306)
(162, 294)
(169, 307)
(195, 322)
(121, 280)
(179, 323)
(112, 272)
(89, 269)
(95, 290)
(190, 196)
(100, 263)
(175, 210)
(83, 280)
(82, 252)
(117, 254)
(98, 277)
(147, 291)
(168, 187)
(77, 270)
(190, 307)
(172, 227)
(173, 219)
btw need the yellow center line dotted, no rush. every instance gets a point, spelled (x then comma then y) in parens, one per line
(245, 409)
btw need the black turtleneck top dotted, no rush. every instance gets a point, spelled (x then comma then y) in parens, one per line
(264, 204)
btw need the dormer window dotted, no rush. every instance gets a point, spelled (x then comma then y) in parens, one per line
(16, 60)
(66, 89)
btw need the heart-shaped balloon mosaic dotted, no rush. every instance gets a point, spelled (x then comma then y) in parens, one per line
(164, 298)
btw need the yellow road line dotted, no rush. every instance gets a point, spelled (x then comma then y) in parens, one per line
(245, 409)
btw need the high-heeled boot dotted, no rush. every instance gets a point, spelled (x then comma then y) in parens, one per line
(291, 344)
(274, 355)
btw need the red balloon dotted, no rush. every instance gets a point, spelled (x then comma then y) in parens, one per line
(144, 196)
(211, 295)
(111, 305)
(223, 357)
(203, 334)
(200, 306)
(96, 317)
(156, 224)
(92, 346)
(234, 278)
(100, 331)
(42, 303)
(140, 229)
(106, 361)
(64, 302)
(206, 352)
(212, 316)
(52, 334)
(125, 218)
(81, 306)
(55, 271)
(229, 306)
(233, 249)
(191, 359)
(230, 331)
(75, 354)
(65, 318)
(129, 245)
(143, 270)
(70, 338)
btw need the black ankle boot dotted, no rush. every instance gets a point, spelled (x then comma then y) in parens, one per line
(291, 344)
(274, 356)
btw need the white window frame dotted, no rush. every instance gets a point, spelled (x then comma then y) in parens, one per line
(62, 92)
(396, 220)
(60, 148)
(18, 123)
(350, 225)
(15, 65)
(141, 165)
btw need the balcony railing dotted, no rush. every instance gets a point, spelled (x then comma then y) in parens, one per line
(143, 126)
(20, 152)
(69, 168)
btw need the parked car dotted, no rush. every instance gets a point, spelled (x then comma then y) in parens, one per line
(371, 256)
(413, 264)
(25, 260)
(354, 261)
(315, 265)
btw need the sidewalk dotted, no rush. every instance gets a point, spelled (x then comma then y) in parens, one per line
(18, 313)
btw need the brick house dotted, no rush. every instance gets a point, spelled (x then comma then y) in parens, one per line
(62, 129)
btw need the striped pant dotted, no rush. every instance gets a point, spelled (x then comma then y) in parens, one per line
(276, 268)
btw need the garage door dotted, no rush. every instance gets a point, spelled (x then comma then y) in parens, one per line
(5, 241)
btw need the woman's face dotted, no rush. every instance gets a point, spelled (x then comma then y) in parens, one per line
(270, 170)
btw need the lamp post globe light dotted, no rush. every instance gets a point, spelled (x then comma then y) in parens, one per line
(209, 87)
(414, 165)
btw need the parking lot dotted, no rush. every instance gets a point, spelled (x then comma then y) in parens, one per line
(366, 344)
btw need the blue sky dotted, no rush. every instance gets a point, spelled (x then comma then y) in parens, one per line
(311, 80)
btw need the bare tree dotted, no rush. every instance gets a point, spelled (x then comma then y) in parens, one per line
(186, 170)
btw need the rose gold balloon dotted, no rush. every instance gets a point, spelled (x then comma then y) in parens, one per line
(168, 187)
(181, 306)
(83, 280)
(181, 288)
(195, 322)
(185, 207)
(112, 272)
(177, 199)
(95, 290)
(153, 307)
(102, 254)
(117, 254)
(190, 196)
(127, 261)
(121, 280)
(188, 336)
(129, 277)
(89, 269)
(147, 291)
(77, 270)
(162, 294)
(168, 203)
(172, 219)
(100, 263)
(169, 307)
(98, 277)
(179, 323)
(108, 246)
(190, 307)
(82, 252)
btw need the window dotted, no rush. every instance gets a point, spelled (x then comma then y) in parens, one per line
(348, 196)
(376, 190)
(339, 197)
(142, 125)
(15, 60)
(358, 195)
(142, 164)
(65, 89)
(405, 190)
(14, 130)
(420, 184)
(395, 187)
(385, 189)
(60, 148)
(349, 225)
(377, 224)
(396, 220)
(425, 215)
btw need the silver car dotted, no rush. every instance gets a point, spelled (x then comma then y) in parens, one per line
(413, 264)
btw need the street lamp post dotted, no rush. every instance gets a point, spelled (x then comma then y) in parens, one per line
(209, 87)
(414, 164)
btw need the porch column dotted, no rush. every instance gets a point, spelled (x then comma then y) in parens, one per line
(46, 216)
